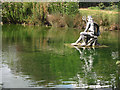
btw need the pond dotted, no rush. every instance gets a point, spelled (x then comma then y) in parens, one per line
(34, 56)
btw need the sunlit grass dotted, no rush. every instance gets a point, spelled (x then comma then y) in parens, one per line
(101, 16)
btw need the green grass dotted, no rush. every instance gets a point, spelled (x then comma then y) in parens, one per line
(102, 17)
(109, 8)
(94, 8)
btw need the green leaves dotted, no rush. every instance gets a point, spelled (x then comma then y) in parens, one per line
(36, 12)
(16, 12)
(101, 6)
(63, 8)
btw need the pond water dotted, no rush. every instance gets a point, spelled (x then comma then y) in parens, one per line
(34, 56)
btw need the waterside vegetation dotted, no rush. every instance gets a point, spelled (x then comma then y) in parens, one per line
(59, 14)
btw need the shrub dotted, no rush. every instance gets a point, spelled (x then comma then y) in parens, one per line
(35, 12)
(28, 12)
(94, 8)
(112, 8)
(59, 20)
(39, 13)
(101, 5)
(16, 12)
(70, 8)
(56, 20)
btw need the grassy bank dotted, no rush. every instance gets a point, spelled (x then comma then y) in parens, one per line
(107, 19)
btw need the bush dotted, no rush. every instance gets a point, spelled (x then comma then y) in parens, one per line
(28, 12)
(70, 8)
(59, 20)
(16, 12)
(101, 5)
(112, 8)
(56, 20)
(35, 12)
(94, 8)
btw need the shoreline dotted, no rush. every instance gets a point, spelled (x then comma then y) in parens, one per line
(102, 28)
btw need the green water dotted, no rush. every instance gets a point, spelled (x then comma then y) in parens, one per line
(35, 56)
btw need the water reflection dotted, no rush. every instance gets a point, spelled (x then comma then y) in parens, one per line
(38, 56)
(87, 57)
(91, 78)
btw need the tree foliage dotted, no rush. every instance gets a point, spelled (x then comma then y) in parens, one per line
(63, 8)
(35, 12)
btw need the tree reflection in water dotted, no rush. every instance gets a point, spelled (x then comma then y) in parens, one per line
(90, 79)
(40, 54)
